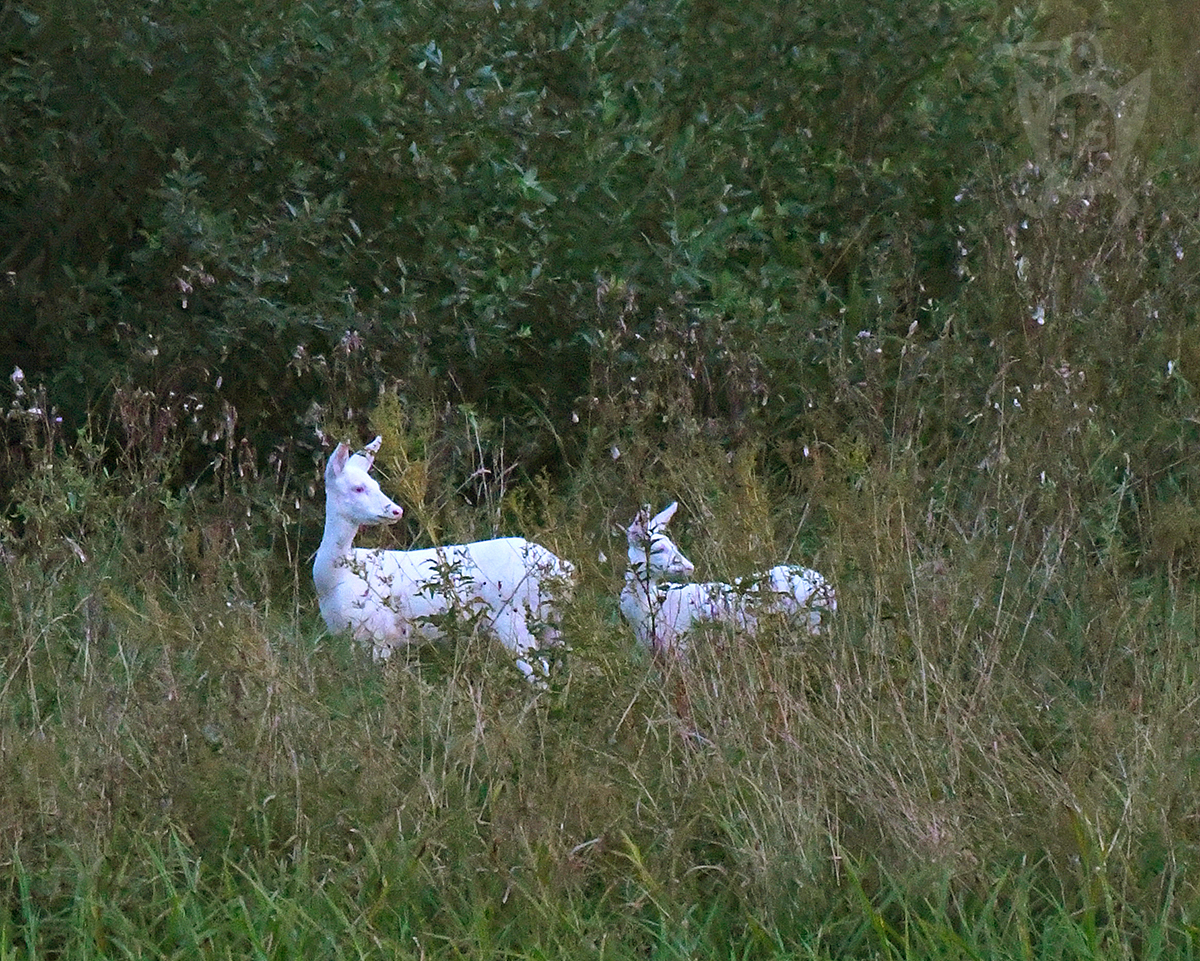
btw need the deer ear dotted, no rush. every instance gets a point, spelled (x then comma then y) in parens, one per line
(366, 457)
(337, 460)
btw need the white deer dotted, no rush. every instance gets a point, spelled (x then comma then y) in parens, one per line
(662, 613)
(389, 599)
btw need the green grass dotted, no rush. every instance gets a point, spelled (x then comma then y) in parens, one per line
(991, 754)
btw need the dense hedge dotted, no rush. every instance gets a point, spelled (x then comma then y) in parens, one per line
(803, 221)
(230, 189)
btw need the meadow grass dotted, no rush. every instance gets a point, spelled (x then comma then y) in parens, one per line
(990, 754)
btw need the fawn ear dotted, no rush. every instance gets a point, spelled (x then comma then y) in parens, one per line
(639, 529)
(337, 461)
(663, 517)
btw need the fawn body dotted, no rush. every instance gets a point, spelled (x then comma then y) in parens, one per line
(662, 613)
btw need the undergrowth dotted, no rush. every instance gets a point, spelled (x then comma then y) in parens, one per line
(858, 284)
(990, 753)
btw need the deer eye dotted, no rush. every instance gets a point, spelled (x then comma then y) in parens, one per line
(360, 488)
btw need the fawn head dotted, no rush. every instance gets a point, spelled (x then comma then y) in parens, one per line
(652, 554)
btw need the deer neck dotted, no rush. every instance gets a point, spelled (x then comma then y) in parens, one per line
(337, 544)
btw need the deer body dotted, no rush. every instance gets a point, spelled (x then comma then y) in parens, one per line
(389, 599)
(662, 613)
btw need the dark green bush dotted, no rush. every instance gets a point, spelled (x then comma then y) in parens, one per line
(793, 228)
(223, 198)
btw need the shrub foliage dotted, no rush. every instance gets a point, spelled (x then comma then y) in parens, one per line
(234, 192)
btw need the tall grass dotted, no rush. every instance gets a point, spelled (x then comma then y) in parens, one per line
(992, 753)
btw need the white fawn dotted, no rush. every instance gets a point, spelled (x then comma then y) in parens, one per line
(662, 613)
(389, 599)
